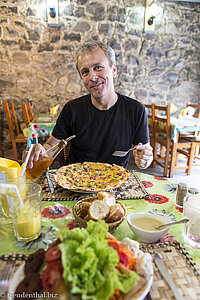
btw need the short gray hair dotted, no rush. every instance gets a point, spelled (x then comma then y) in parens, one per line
(92, 45)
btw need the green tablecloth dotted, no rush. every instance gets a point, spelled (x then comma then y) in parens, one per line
(58, 214)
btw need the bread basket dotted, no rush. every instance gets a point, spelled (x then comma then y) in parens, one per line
(83, 223)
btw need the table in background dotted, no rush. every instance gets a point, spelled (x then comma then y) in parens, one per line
(40, 127)
(183, 124)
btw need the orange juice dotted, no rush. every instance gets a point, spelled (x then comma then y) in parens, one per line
(38, 167)
(27, 226)
(26, 216)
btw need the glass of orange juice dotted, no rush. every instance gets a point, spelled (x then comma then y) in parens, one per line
(27, 218)
(11, 176)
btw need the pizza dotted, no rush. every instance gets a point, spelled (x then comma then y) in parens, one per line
(91, 176)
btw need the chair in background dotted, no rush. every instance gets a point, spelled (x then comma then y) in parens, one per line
(27, 112)
(17, 138)
(194, 136)
(162, 138)
(149, 110)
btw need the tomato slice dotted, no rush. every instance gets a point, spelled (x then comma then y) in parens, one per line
(123, 258)
(114, 245)
(53, 254)
(51, 275)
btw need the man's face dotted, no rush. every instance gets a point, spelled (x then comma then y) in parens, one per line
(96, 73)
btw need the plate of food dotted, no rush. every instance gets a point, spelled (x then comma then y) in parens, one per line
(85, 263)
(91, 177)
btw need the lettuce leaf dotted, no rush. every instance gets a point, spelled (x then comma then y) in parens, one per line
(89, 263)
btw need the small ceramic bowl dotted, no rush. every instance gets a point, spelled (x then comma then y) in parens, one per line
(148, 236)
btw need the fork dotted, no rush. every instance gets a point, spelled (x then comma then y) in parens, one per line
(6, 274)
(123, 153)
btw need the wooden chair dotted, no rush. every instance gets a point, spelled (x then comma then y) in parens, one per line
(149, 110)
(194, 136)
(162, 137)
(17, 138)
(27, 112)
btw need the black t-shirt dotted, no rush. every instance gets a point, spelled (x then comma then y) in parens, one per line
(100, 132)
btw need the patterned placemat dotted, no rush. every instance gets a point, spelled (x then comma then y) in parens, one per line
(181, 267)
(133, 188)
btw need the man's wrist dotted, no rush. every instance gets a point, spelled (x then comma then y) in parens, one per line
(146, 164)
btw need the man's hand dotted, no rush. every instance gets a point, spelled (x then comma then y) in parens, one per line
(143, 155)
(37, 151)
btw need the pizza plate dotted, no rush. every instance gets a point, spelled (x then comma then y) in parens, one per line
(65, 181)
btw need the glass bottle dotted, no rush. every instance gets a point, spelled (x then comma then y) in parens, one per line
(45, 161)
(181, 193)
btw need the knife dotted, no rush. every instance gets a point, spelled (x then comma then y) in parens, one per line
(51, 187)
(164, 271)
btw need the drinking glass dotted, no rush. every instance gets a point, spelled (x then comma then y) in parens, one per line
(191, 211)
(27, 218)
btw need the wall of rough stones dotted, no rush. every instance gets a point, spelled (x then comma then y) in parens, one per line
(37, 63)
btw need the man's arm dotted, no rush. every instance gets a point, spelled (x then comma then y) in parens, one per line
(38, 149)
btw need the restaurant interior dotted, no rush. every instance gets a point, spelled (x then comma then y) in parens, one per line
(156, 44)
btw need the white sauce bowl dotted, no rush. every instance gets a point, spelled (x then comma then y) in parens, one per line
(145, 235)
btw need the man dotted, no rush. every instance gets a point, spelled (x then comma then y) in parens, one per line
(103, 121)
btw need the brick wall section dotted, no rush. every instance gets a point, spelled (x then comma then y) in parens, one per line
(37, 63)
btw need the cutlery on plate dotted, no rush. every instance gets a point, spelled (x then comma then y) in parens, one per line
(50, 183)
(123, 153)
(172, 223)
(5, 276)
(165, 273)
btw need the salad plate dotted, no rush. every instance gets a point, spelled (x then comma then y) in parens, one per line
(141, 294)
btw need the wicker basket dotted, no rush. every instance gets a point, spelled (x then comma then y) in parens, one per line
(83, 223)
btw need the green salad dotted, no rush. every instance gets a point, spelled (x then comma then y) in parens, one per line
(90, 264)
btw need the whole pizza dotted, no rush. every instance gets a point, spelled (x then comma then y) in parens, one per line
(91, 176)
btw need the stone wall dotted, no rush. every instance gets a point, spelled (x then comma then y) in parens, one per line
(37, 63)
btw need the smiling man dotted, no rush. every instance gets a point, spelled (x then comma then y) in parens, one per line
(103, 121)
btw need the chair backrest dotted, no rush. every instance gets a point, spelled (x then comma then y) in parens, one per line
(197, 109)
(11, 118)
(162, 121)
(27, 112)
(151, 118)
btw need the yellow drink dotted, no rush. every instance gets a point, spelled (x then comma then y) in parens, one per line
(27, 226)
(5, 206)
(26, 216)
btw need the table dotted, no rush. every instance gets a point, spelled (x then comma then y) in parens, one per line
(57, 213)
(183, 124)
(40, 127)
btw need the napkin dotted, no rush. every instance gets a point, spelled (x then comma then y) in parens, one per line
(188, 111)
(54, 110)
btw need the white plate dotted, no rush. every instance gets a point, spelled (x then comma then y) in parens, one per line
(19, 275)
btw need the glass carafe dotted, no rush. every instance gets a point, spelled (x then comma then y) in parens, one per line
(45, 161)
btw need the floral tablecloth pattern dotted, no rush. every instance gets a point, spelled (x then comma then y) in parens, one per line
(58, 214)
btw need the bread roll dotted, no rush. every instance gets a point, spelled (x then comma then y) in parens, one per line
(98, 210)
(84, 209)
(116, 213)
